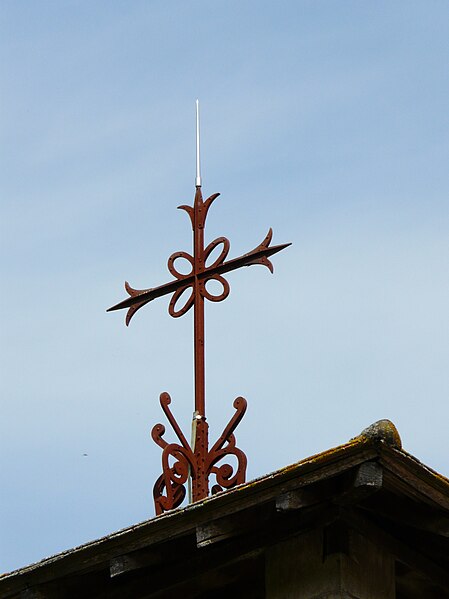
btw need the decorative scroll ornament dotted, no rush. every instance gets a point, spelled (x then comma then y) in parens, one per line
(181, 461)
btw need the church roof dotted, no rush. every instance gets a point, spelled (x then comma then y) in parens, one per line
(370, 483)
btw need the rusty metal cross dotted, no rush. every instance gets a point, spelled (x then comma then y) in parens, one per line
(181, 460)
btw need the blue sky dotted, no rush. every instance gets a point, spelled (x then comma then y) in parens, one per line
(327, 121)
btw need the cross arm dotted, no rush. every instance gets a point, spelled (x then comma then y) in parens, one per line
(140, 297)
(143, 296)
(257, 256)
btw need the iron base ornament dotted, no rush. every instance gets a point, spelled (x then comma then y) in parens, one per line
(169, 490)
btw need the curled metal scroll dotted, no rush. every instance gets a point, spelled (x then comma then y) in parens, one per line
(226, 475)
(169, 490)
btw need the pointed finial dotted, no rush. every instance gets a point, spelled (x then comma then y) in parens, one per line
(198, 174)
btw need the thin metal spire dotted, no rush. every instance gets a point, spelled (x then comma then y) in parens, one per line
(198, 174)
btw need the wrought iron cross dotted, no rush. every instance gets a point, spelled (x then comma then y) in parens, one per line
(181, 460)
